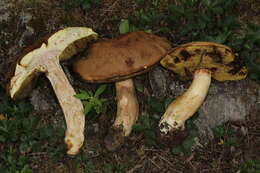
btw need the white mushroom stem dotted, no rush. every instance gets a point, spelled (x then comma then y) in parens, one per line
(127, 106)
(71, 106)
(187, 104)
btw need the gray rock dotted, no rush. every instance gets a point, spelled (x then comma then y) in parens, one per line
(40, 100)
(45, 103)
(5, 12)
(227, 101)
(158, 82)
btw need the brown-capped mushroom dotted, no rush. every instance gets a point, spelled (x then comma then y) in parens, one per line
(62, 45)
(200, 61)
(117, 60)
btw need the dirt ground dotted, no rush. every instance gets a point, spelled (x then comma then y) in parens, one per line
(29, 20)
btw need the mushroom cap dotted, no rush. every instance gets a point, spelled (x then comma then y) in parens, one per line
(62, 45)
(219, 59)
(122, 57)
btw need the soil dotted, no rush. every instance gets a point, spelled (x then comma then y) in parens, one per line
(22, 22)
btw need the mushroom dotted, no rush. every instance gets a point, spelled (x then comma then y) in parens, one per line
(118, 60)
(60, 46)
(200, 60)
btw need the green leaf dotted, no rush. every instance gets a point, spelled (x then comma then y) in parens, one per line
(254, 68)
(82, 96)
(139, 128)
(139, 86)
(177, 150)
(2, 139)
(167, 102)
(88, 107)
(156, 105)
(100, 90)
(90, 93)
(124, 26)
(188, 143)
(103, 100)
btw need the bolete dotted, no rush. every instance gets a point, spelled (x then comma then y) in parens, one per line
(200, 61)
(117, 60)
(45, 58)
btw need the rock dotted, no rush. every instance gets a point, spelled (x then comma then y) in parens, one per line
(15, 31)
(158, 82)
(40, 100)
(227, 101)
(5, 12)
(177, 87)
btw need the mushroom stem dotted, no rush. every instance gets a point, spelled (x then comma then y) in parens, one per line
(127, 114)
(127, 106)
(71, 106)
(187, 104)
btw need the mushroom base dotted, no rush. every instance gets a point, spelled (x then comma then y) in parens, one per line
(172, 138)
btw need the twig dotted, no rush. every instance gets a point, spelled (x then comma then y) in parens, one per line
(154, 163)
(172, 166)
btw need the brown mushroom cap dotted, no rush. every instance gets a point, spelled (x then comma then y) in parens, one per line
(119, 58)
(219, 59)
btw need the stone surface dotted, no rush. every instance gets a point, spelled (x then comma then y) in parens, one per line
(158, 82)
(41, 100)
(5, 12)
(228, 101)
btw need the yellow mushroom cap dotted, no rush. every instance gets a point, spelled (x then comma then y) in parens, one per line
(219, 59)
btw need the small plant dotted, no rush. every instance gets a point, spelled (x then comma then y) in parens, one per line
(226, 136)
(114, 168)
(249, 47)
(85, 162)
(185, 148)
(146, 125)
(124, 26)
(13, 130)
(20, 136)
(85, 4)
(139, 86)
(91, 101)
(147, 122)
(252, 166)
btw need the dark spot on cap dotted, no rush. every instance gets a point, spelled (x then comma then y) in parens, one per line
(228, 51)
(197, 51)
(187, 72)
(215, 55)
(236, 66)
(242, 73)
(129, 62)
(176, 59)
(213, 69)
(169, 65)
(233, 71)
(185, 54)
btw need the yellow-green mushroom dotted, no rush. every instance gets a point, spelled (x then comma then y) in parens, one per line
(199, 61)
